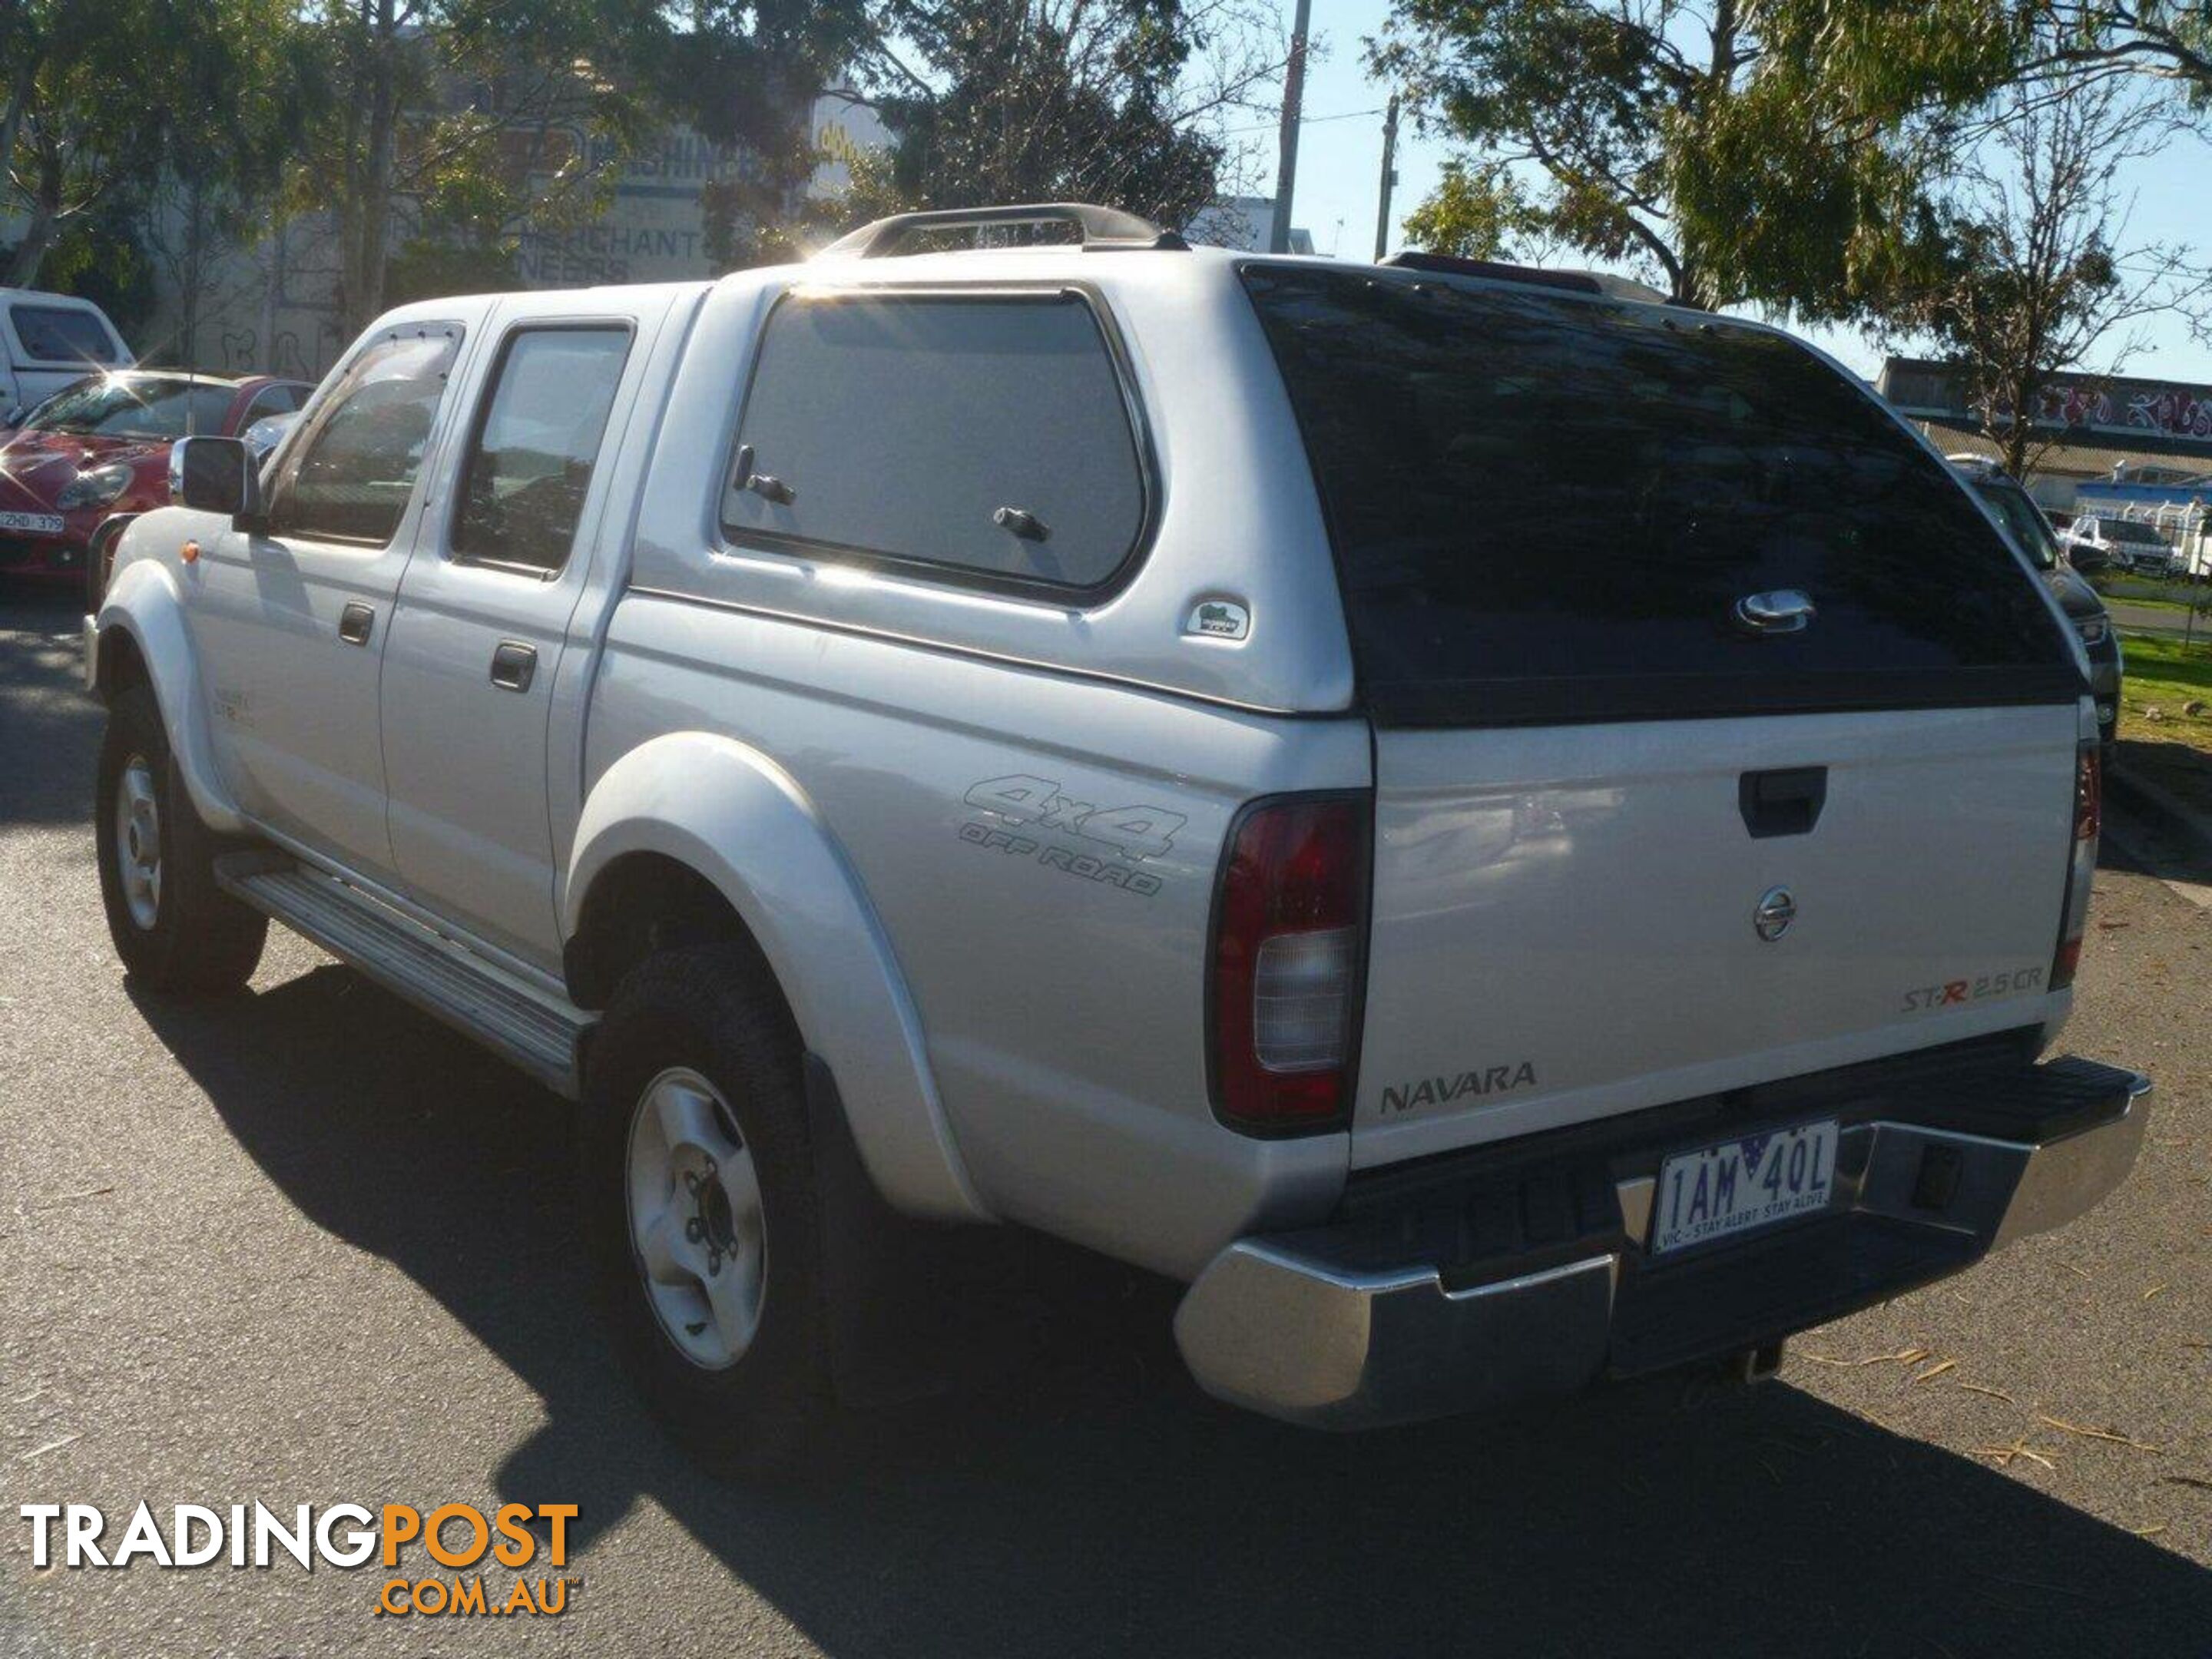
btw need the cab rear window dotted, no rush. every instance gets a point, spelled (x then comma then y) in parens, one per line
(1546, 507)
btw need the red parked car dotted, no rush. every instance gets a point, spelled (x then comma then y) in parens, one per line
(100, 447)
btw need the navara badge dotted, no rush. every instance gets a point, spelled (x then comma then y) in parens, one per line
(1777, 910)
(1218, 619)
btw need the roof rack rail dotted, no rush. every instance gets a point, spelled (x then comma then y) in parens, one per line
(1104, 228)
(1451, 265)
(1573, 281)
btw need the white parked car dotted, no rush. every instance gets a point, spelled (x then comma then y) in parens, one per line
(2094, 543)
(1074, 736)
(47, 342)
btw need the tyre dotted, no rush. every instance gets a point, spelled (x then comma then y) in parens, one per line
(700, 1207)
(175, 929)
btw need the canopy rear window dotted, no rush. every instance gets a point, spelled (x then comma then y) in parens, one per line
(977, 436)
(1546, 508)
(62, 334)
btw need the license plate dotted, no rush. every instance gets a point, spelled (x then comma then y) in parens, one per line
(35, 524)
(1740, 1185)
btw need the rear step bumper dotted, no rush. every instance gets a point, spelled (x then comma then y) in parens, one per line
(1311, 1327)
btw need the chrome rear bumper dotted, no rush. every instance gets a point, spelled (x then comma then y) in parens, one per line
(1298, 1328)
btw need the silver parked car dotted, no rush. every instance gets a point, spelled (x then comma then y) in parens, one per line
(1072, 735)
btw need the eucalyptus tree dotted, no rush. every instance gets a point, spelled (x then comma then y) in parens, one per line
(1125, 102)
(465, 119)
(1731, 150)
(72, 135)
(2040, 273)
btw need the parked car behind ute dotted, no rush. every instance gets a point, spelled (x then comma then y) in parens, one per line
(2084, 606)
(2094, 543)
(1073, 736)
(100, 447)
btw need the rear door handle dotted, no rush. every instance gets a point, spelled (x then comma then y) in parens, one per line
(356, 622)
(1785, 802)
(513, 666)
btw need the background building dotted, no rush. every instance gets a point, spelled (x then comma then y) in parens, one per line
(2097, 429)
(273, 308)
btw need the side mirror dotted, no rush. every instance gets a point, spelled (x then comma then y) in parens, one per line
(214, 475)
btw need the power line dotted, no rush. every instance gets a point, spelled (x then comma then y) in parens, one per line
(1303, 121)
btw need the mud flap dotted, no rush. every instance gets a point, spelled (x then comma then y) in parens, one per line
(902, 1325)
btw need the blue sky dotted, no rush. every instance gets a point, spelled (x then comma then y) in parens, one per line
(1341, 154)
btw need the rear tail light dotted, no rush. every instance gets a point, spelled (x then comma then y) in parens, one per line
(2082, 865)
(1290, 937)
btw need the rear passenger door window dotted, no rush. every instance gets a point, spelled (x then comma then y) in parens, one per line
(985, 437)
(529, 466)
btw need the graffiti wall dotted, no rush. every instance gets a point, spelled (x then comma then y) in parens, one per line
(2109, 405)
(2171, 411)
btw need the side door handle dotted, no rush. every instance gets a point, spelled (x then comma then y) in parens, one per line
(513, 666)
(356, 622)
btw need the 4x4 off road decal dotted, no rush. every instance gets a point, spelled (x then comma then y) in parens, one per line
(1119, 837)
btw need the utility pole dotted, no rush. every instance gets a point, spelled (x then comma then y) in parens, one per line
(1294, 93)
(1389, 177)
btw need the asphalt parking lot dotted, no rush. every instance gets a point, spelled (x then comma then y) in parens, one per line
(308, 1246)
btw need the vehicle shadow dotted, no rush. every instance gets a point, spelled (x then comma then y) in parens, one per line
(2143, 833)
(43, 712)
(1087, 1500)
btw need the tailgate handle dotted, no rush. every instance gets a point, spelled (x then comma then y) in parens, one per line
(1786, 802)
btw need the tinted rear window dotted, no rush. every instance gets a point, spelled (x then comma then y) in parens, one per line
(1548, 508)
(62, 334)
(2120, 529)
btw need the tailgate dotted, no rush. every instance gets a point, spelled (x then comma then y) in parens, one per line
(1565, 920)
(1628, 588)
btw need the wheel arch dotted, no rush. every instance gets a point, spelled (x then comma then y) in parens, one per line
(692, 836)
(141, 637)
(100, 557)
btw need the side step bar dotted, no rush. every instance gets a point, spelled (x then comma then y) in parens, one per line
(537, 1031)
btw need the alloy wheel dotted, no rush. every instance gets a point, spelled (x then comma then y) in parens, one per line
(138, 841)
(697, 1229)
